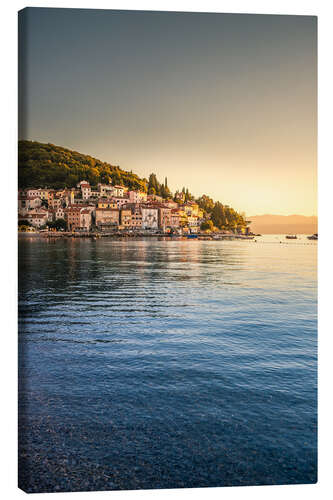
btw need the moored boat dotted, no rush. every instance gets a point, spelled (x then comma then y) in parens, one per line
(313, 237)
(291, 237)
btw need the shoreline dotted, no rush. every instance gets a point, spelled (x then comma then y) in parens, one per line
(53, 237)
(139, 235)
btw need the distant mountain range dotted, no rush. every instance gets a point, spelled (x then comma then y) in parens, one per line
(284, 224)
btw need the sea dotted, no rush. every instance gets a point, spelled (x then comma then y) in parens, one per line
(164, 363)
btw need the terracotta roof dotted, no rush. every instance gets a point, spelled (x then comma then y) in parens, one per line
(107, 210)
(36, 216)
(149, 207)
(73, 209)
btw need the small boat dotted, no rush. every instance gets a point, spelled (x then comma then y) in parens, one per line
(313, 237)
(191, 236)
(291, 237)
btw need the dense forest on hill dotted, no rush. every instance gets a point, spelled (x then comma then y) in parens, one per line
(42, 165)
(47, 165)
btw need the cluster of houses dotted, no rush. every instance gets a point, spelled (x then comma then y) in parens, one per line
(108, 208)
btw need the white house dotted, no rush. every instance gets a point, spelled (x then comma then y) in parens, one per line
(149, 218)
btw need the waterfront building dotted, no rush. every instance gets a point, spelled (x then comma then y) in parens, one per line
(78, 217)
(193, 223)
(125, 218)
(164, 217)
(136, 222)
(107, 218)
(36, 219)
(85, 219)
(136, 215)
(174, 218)
(149, 217)
(72, 217)
(130, 211)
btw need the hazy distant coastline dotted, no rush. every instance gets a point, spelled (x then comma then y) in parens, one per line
(280, 224)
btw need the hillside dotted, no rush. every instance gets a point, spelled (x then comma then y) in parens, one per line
(284, 224)
(41, 165)
(47, 165)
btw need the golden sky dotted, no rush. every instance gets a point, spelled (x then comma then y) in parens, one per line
(224, 104)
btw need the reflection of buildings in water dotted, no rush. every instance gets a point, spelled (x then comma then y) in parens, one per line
(206, 261)
(136, 254)
(189, 250)
(72, 260)
(218, 261)
(83, 259)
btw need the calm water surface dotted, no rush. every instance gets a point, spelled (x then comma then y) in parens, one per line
(166, 364)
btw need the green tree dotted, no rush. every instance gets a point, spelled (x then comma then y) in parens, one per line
(207, 225)
(206, 203)
(218, 215)
(116, 178)
(24, 223)
(153, 183)
(48, 165)
(57, 224)
(56, 167)
(188, 196)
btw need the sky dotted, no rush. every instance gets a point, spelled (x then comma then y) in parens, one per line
(224, 104)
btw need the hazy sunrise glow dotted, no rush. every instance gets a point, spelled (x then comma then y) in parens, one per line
(223, 104)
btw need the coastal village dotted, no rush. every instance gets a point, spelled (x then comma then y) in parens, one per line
(108, 209)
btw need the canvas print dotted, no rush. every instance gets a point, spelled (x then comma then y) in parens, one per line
(167, 233)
